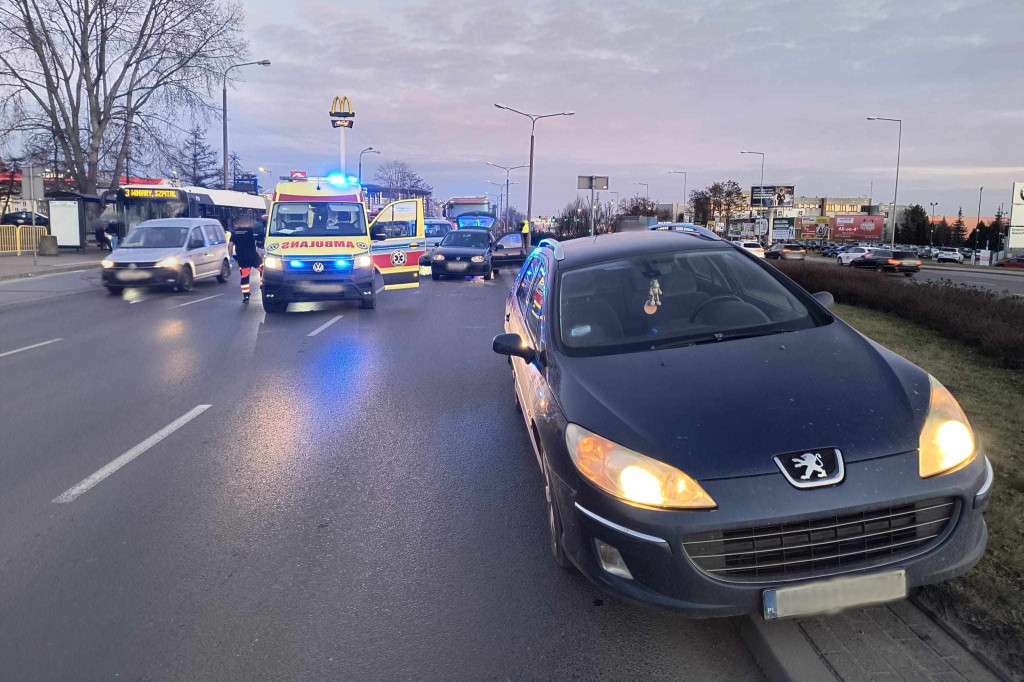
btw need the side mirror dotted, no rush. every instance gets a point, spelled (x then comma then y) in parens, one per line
(512, 344)
(378, 236)
(499, 247)
(825, 298)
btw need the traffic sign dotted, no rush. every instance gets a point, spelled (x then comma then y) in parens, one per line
(598, 182)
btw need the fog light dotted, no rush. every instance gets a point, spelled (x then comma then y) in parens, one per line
(611, 560)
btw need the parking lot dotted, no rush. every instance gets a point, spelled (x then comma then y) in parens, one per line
(345, 494)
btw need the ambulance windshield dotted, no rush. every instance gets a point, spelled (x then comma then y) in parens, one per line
(317, 219)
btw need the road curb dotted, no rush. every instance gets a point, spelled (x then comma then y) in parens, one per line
(990, 270)
(782, 651)
(56, 270)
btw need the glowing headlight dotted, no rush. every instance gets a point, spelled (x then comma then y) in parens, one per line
(272, 263)
(107, 263)
(438, 256)
(363, 261)
(947, 439)
(171, 262)
(631, 476)
(477, 259)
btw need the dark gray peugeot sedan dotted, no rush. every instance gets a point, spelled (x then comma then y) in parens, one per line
(715, 441)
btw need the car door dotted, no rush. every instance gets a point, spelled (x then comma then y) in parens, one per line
(526, 318)
(198, 254)
(396, 254)
(512, 249)
(216, 246)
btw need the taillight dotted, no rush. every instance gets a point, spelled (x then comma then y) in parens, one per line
(918, 262)
(893, 261)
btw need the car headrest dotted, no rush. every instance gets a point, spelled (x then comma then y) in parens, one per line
(678, 281)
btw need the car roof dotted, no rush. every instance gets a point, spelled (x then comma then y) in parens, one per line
(178, 222)
(481, 230)
(586, 250)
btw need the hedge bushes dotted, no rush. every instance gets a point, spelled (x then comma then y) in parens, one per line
(991, 323)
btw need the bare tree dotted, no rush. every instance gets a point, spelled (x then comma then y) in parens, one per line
(89, 73)
(637, 205)
(395, 176)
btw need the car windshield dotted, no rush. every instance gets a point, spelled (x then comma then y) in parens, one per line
(152, 237)
(437, 229)
(317, 219)
(466, 239)
(672, 298)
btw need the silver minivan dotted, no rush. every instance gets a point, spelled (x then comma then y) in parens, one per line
(171, 251)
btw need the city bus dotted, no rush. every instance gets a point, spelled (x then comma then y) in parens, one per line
(132, 204)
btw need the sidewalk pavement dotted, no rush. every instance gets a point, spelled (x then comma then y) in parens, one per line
(15, 267)
(890, 643)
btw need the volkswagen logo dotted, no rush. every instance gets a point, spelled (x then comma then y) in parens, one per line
(132, 266)
(318, 267)
(398, 258)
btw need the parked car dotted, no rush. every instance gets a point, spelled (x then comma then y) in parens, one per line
(463, 252)
(883, 260)
(24, 218)
(753, 247)
(787, 251)
(925, 253)
(622, 352)
(949, 255)
(1016, 262)
(436, 229)
(851, 253)
(508, 251)
(833, 251)
(168, 252)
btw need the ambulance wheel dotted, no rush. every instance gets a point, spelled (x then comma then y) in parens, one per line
(369, 303)
(274, 307)
(115, 291)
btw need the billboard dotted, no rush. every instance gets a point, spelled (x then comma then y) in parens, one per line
(814, 228)
(867, 227)
(1016, 240)
(767, 196)
(784, 228)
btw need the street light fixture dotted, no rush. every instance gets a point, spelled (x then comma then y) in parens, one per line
(768, 236)
(647, 189)
(686, 201)
(224, 113)
(508, 170)
(369, 150)
(533, 128)
(896, 187)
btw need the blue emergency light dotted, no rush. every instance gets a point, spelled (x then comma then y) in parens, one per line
(342, 180)
(295, 263)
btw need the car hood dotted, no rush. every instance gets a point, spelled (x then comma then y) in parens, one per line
(722, 410)
(453, 251)
(142, 255)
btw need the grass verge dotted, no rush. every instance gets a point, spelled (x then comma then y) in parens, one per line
(986, 604)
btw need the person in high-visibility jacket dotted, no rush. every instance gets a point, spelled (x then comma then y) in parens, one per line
(525, 227)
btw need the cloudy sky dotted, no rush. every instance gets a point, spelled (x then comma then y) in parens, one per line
(656, 86)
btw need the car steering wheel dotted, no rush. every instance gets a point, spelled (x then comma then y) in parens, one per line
(722, 297)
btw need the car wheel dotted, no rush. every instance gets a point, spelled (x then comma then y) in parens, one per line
(434, 276)
(115, 291)
(879, 268)
(554, 523)
(225, 272)
(274, 307)
(908, 274)
(369, 303)
(495, 272)
(184, 280)
(839, 261)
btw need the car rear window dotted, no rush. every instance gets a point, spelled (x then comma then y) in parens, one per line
(646, 301)
(751, 245)
(904, 254)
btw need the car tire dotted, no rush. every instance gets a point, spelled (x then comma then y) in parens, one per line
(908, 274)
(434, 276)
(839, 261)
(369, 303)
(185, 280)
(274, 307)
(554, 523)
(879, 269)
(225, 272)
(115, 291)
(495, 273)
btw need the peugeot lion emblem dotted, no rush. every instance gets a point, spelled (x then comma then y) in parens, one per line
(812, 468)
(318, 267)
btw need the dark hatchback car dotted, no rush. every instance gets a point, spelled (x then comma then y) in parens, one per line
(462, 253)
(24, 218)
(847, 483)
(786, 252)
(883, 260)
(509, 251)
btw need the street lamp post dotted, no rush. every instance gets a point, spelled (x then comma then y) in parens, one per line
(508, 170)
(647, 189)
(685, 200)
(499, 186)
(533, 127)
(931, 236)
(768, 236)
(367, 150)
(224, 112)
(896, 187)
(616, 209)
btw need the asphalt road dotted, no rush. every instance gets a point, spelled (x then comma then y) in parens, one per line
(358, 500)
(995, 280)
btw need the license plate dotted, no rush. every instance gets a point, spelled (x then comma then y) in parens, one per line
(315, 288)
(458, 266)
(832, 596)
(132, 276)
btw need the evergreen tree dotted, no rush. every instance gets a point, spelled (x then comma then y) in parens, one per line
(915, 228)
(194, 162)
(958, 230)
(940, 237)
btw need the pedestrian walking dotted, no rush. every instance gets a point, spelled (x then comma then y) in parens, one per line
(243, 243)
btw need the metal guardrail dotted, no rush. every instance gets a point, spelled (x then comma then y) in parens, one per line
(18, 238)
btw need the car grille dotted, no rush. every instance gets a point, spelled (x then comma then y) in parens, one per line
(147, 264)
(822, 546)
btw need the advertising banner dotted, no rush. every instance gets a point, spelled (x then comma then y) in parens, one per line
(741, 228)
(1016, 240)
(765, 196)
(814, 228)
(868, 227)
(784, 229)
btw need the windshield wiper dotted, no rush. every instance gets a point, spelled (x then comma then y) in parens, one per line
(716, 338)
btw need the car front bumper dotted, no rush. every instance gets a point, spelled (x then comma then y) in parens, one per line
(140, 277)
(651, 541)
(289, 285)
(459, 268)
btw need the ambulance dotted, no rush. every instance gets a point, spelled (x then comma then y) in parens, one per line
(320, 246)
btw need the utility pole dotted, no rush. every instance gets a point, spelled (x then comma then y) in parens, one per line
(931, 235)
(976, 226)
(896, 186)
(224, 112)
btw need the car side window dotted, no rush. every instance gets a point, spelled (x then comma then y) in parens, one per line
(213, 235)
(511, 241)
(197, 234)
(525, 279)
(535, 308)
